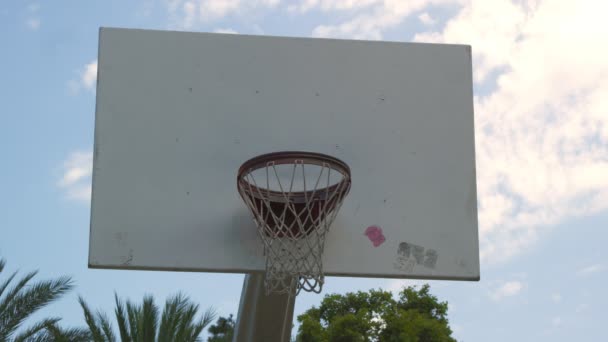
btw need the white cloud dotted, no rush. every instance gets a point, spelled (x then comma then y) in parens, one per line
(89, 75)
(541, 127)
(332, 5)
(80, 193)
(490, 26)
(426, 19)
(145, 8)
(33, 23)
(189, 9)
(581, 307)
(590, 269)
(556, 322)
(376, 17)
(187, 14)
(396, 285)
(556, 297)
(225, 30)
(76, 178)
(87, 78)
(217, 8)
(33, 7)
(508, 289)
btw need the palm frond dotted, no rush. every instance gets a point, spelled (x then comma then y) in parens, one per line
(198, 328)
(133, 313)
(5, 284)
(149, 319)
(8, 281)
(75, 335)
(144, 322)
(54, 333)
(106, 327)
(186, 327)
(174, 308)
(185, 317)
(15, 290)
(35, 329)
(166, 322)
(20, 303)
(121, 319)
(96, 332)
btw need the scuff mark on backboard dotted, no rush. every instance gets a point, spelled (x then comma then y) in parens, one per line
(410, 255)
(357, 209)
(126, 260)
(121, 237)
(121, 240)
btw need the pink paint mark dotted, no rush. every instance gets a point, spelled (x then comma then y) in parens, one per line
(374, 234)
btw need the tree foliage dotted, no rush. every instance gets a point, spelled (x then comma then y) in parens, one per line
(55, 333)
(24, 298)
(136, 323)
(145, 322)
(417, 316)
(222, 330)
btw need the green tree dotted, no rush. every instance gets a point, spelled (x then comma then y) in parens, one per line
(222, 330)
(417, 316)
(23, 299)
(144, 322)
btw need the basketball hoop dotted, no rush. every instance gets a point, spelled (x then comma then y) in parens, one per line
(294, 198)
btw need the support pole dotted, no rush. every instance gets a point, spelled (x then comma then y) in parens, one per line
(262, 317)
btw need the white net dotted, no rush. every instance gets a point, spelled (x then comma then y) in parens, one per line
(294, 203)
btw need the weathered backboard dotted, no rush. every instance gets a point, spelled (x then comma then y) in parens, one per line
(177, 113)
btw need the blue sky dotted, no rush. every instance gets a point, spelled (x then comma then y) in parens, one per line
(541, 86)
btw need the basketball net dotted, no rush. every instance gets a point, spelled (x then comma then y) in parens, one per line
(293, 224)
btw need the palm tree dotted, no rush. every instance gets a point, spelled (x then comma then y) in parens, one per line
(54, 333)
(141, 322)
(22, 300)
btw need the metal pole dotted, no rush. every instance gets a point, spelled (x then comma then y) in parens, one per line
(263, 317)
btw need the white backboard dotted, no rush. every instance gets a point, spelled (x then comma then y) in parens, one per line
(178, 113)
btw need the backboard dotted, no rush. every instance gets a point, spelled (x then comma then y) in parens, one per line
(178, 113)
